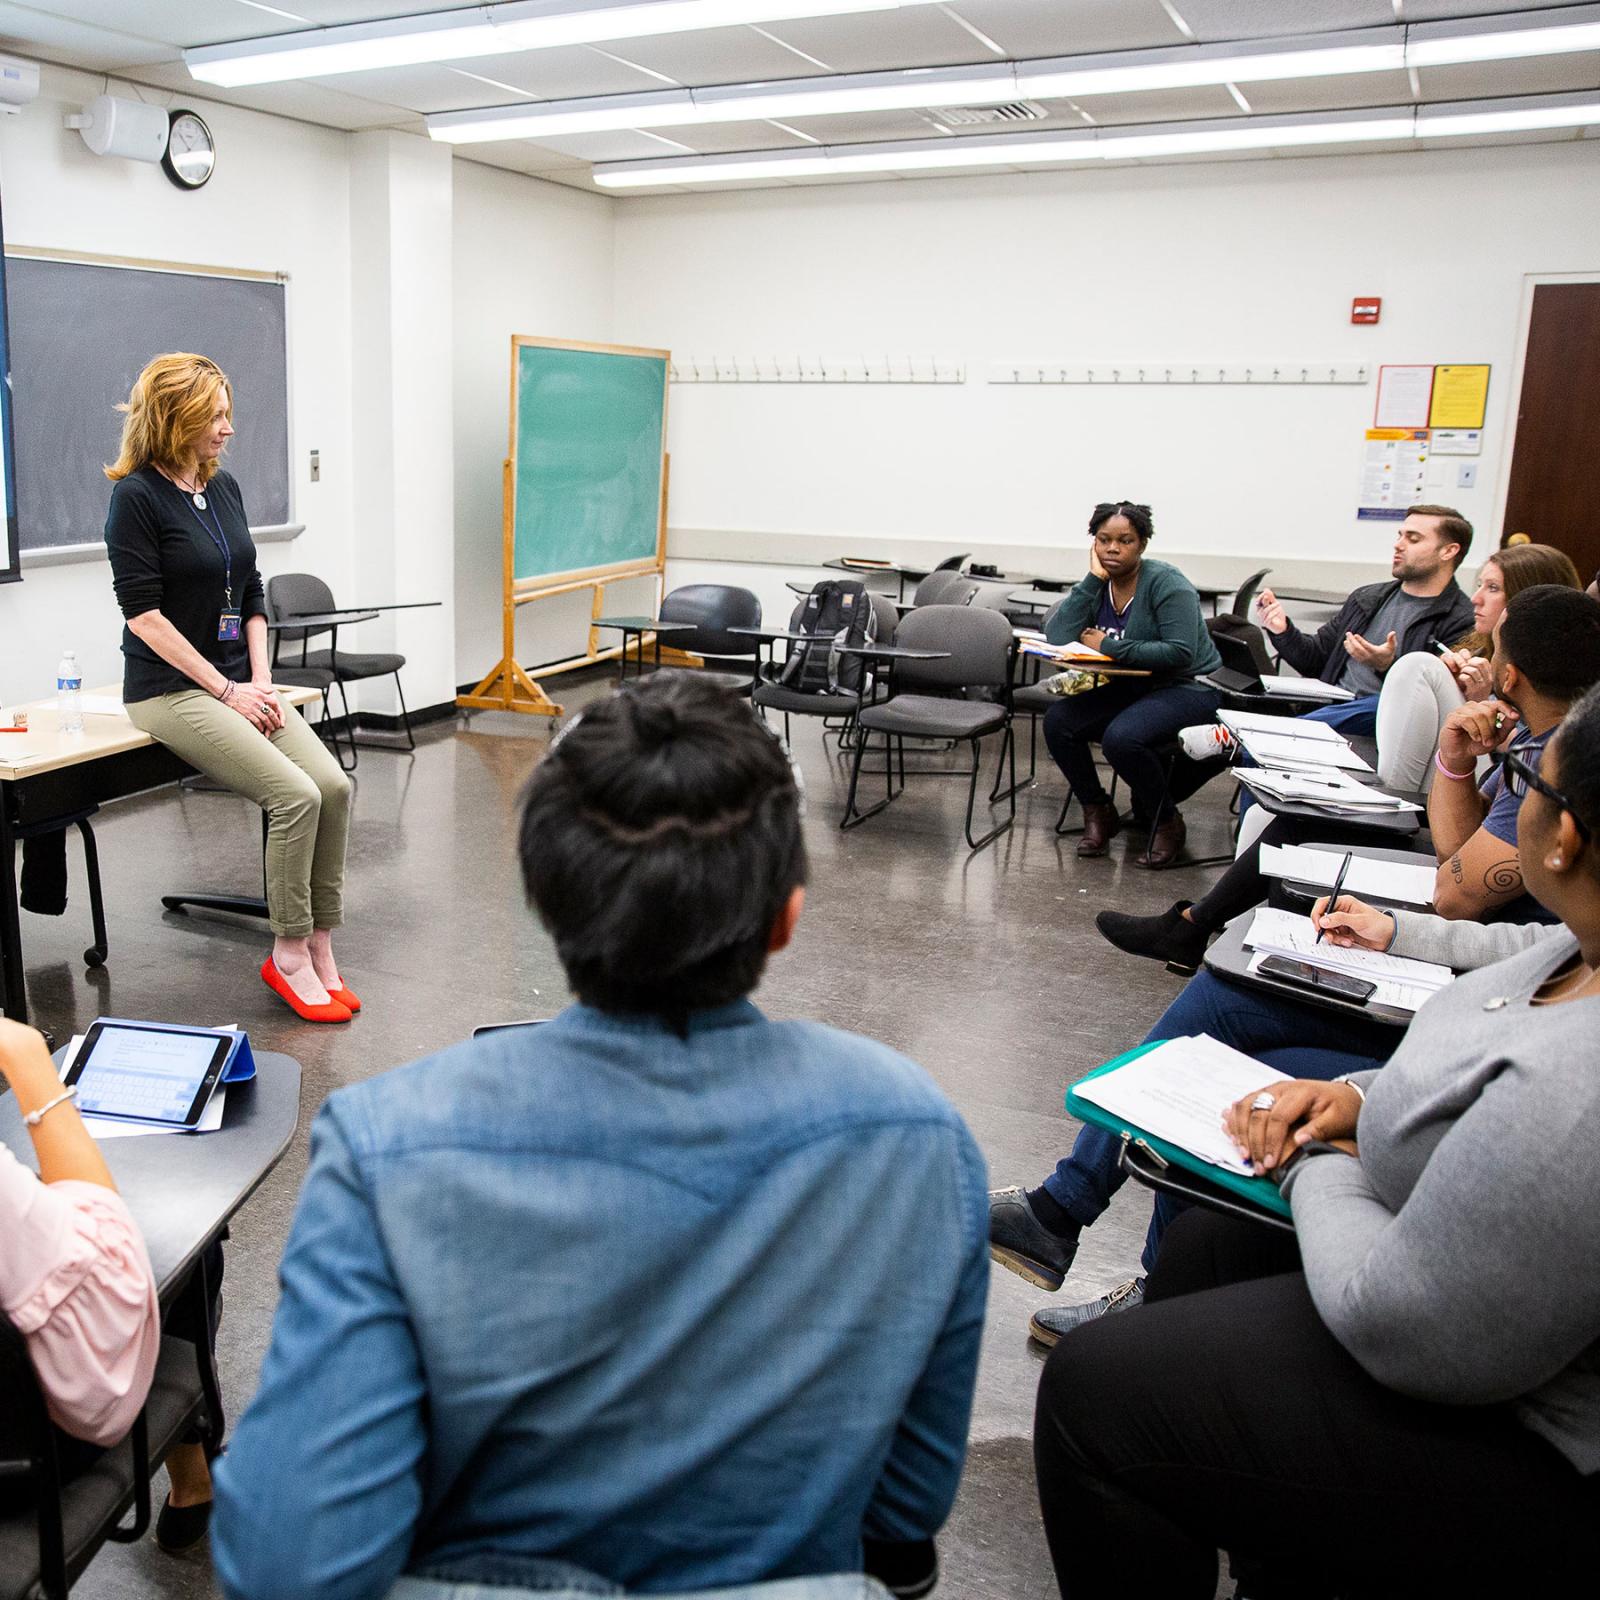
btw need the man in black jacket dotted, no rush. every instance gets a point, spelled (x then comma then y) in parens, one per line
(1380, 622)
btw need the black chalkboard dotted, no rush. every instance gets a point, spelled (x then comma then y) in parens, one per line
(81, 331)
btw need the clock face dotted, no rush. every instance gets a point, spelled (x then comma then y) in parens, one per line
(191, 150)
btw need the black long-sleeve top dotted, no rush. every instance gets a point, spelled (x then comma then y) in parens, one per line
(165, 557)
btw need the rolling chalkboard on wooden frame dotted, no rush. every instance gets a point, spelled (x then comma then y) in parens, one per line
(82, 328)
(585, 490)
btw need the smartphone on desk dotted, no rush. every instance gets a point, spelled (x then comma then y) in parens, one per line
(1317, 980)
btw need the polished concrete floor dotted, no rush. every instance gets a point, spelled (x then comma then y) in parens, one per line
(986, 968)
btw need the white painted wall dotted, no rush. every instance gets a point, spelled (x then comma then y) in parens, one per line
(1227, 261)
(530, 258)
(279, 201)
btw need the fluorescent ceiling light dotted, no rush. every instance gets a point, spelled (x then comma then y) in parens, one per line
(1488, 39)
(1462, 118)
(1010, 151)
(1127, 72)
(1502, 116)
(488, 29)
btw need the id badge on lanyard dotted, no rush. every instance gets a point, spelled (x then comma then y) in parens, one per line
(229, 625)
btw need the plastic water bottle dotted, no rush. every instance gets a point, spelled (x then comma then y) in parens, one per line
(69, 695)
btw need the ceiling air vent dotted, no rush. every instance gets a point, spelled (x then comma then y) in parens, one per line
(975, 116)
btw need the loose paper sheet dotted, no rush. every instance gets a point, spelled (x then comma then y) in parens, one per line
(101, 1128)
(1179, 1091)
(1388, 880)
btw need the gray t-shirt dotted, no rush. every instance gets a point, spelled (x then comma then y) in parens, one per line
(1455, 1260)
(1394, 616)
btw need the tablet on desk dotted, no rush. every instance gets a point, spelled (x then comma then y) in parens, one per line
(145, 1072)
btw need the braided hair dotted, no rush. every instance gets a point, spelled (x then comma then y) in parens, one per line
(1140, 518)
(660, 838)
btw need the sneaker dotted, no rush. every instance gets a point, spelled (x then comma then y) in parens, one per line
(1206, 741)
(1049, 1325)
(1023, 1245)
(1169, 937)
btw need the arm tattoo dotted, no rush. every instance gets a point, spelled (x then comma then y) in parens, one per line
(1455, 869)
(1503, 877)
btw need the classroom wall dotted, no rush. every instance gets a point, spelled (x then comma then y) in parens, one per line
(1228, 261)
(530, 258)
(279, 201)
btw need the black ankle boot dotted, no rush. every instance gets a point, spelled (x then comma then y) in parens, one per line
(1169, 937)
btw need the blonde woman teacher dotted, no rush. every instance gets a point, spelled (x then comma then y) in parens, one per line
(196, 674)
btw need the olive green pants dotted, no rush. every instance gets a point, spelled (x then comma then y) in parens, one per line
(291, 775)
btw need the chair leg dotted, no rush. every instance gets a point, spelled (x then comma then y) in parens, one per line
(329, 734)
(852, 815)
(997, 794)
(95, 955)
(139, 1447)
(405, 715)
(994, 833)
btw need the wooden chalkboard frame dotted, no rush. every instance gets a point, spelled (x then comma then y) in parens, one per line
(509, 686)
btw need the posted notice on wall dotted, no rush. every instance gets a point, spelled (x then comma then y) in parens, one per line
(1404, 394)
(1460, 397)
(1393, 469)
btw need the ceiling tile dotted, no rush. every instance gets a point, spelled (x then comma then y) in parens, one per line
(1343, 93)
(27, 31)
(624, 144)
(306, 102)
(1445, 10)
(525, 158)
(876, 41)
(435, 87)
(716, 55)
(563, 74)
(1214, 20)
(1479, 80)
(713, 138)
(1070, 27)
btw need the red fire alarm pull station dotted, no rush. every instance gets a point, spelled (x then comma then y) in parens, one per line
(1365, 310)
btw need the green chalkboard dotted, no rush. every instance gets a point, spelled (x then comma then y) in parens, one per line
(588, 436)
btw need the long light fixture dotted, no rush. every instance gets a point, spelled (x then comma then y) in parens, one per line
(1359, 51)
(486, 30)
(1460, 119)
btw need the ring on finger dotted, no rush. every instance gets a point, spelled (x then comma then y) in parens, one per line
(1264, 1101)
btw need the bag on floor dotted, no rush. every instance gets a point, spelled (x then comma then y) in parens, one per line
(838, 614)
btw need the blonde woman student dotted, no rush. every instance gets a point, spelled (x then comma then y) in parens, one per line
(196, 674)
(1421, 689)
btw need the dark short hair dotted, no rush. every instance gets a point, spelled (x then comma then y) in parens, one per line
(1578, 759)
(660, 838)
(1551, 635)
(1453, 528)
(1140, 517)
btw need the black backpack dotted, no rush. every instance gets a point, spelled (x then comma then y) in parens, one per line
(836, 612)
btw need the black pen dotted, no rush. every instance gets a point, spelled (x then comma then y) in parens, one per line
(1338, 884)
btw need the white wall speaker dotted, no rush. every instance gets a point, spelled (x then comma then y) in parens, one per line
(130, 128)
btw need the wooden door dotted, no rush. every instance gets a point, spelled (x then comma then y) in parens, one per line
(1555, 463)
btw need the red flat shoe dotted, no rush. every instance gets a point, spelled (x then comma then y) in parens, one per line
(333, 1011)
(346, 998)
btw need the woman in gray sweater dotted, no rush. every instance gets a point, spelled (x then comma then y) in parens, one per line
(1405, 1397)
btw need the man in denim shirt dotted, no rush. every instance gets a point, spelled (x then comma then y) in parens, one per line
(603, 1294)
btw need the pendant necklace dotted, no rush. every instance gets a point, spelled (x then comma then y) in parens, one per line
(194, 492)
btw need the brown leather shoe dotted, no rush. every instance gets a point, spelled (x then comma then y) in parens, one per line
(1166, 844)
(1101, 825)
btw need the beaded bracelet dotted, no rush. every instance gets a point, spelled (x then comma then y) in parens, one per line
(1460, 777)
(227, 691)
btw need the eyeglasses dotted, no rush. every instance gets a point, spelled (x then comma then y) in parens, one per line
(1520, 778)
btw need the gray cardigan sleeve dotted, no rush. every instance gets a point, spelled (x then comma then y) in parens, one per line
(1463, 945)
(1482, 1286)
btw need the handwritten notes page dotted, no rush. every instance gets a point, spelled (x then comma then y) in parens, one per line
(1402, 983)
(1179, 1091)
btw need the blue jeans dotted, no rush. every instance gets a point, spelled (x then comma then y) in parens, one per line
(1131, 720)
(1358, 717)
(1302, 1040)
(492, 1576)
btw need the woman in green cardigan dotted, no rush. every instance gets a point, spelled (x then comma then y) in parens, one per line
(1142, 614)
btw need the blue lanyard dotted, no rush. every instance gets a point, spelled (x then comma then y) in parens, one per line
(220, 540)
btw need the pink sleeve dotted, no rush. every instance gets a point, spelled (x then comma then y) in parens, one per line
(76, 1281)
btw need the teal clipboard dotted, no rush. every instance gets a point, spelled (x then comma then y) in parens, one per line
(1262, 1192)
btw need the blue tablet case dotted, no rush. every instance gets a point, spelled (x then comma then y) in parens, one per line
(1262, 1192)
(240, 1065)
